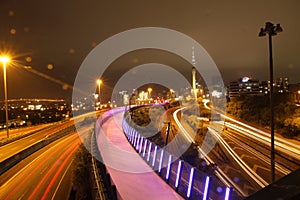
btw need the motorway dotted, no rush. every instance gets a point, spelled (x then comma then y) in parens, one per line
(21, 131)
(45, 174)
(247, 149)
(229, 171)
(12, 148)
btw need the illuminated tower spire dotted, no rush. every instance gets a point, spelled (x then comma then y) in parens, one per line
(193, 70)
(193, 57)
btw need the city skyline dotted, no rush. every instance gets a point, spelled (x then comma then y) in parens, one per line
(57, 36)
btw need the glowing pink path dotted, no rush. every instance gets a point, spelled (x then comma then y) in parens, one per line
(133, 178)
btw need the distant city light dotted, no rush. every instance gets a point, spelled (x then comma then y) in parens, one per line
(216, 94)
(245, 79)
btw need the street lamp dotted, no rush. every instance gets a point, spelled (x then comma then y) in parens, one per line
(271, 30)
(167, 132)
(4, 60)
(99, 82)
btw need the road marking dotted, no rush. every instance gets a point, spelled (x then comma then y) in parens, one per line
(61, 179)
(256, 167)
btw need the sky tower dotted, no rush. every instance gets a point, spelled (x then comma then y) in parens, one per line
(193, 72)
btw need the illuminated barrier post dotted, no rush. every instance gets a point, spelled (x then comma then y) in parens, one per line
(141, 145)
(137, 142)
(131, 136)
(169, 168)
(206, 188)
(145, 147)
(191, 183)
(154, 156)
(228, 193)
(128, 133)
(125, 127)
(178, 175)
(161, 160)
(135, 138)
(149, 152)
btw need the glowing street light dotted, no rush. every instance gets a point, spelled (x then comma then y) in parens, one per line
(99, 82)
(271, 30)
(4, 60)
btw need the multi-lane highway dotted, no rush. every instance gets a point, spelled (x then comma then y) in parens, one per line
(14, 147)
(20, 132)
(247, 149)
(45, 174)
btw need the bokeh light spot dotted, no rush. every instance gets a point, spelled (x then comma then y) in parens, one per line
(26, 29)
(11, 13)
(236, 179)
(72, 51)
(50, 66)
(65, 87)
(13, 31)
(28, 59)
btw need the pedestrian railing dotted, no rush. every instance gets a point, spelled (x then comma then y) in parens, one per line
(188, 181)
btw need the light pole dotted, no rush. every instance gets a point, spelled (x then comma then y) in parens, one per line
(99, 82)
(271, 30)
(4, 60)
(167, 132)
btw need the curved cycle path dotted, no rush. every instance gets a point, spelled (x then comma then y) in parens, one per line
(133, 178)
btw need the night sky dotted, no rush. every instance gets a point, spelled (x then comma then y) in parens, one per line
(62, 33)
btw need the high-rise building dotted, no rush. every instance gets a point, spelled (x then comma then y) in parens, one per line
(281, 85)
(251, 86)
(244, 86)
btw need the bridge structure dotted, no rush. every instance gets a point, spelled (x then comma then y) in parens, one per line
(141, 169)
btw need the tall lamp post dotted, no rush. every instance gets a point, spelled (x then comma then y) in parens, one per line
(99, 82)
(167, 132)
(271, 30)
(4, 60)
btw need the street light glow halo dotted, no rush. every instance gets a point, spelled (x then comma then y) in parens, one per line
(4, 59)
(99, 81)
